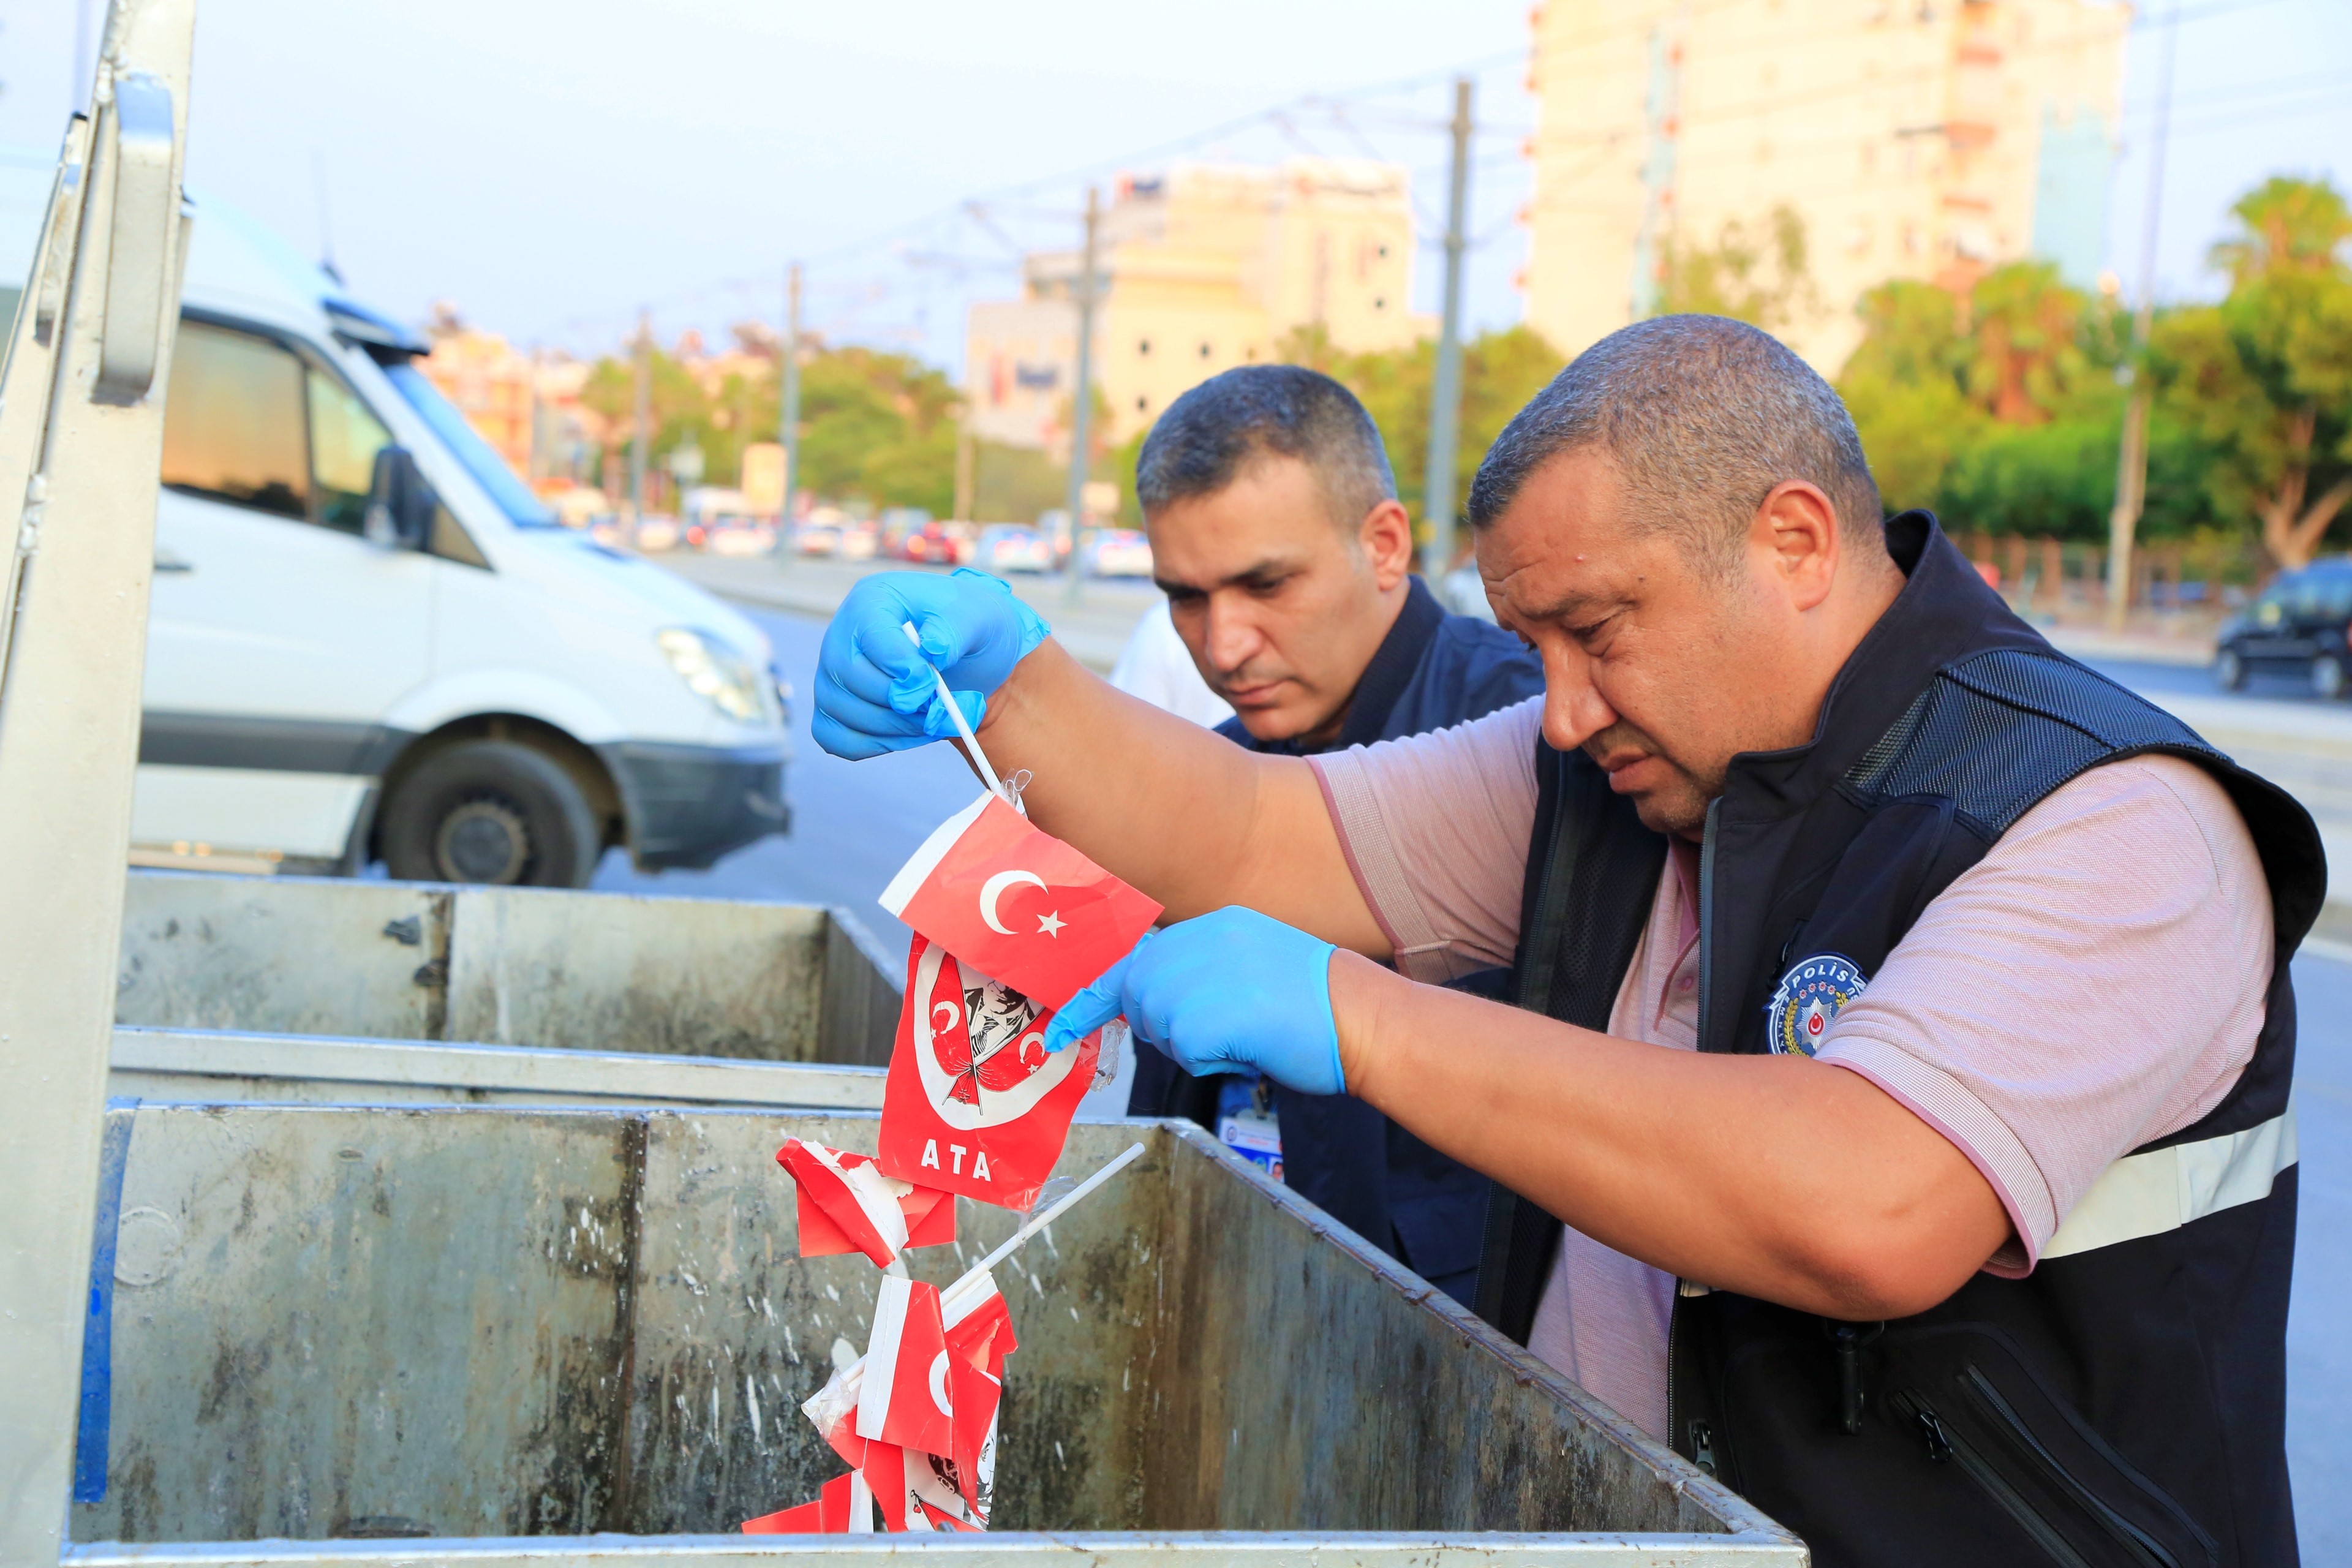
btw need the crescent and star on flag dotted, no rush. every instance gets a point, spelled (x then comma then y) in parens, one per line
(1048, 924)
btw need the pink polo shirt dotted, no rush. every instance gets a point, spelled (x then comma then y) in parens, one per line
(2094, 982)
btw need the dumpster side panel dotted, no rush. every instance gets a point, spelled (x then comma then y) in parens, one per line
(1298, 1398)
(321, 1327)
(609, 972)
(862, 988)
(290, 955)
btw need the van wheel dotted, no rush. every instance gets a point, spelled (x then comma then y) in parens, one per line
(491, 811)
(2327, 681)
(2230, 670)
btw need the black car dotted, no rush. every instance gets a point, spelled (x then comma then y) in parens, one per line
(2297, 625)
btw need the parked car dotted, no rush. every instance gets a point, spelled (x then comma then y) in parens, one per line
(1010, 547)
(1118, 552)
(859, 541)
(739, 536)
(657, 532)
(2297, 625)
(370, 641)
(936, 544)
(816, 538)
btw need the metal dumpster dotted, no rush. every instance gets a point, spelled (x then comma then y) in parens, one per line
(471, 1323)
(293, 989)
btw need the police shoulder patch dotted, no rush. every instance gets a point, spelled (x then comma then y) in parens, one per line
(1808, 997)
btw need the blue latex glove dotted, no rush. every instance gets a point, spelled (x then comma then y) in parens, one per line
(1228, 990)
(874, 694)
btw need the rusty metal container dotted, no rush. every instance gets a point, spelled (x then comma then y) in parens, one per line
(335, 1331)
(285, 989)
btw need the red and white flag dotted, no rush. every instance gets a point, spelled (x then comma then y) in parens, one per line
(905, 1398)
(915, 1490)
(979, 1338)
(1017, 902)
(974, 1103)
(856, 1197)
(844, 1507)
(833, 1411)
(930, 1213)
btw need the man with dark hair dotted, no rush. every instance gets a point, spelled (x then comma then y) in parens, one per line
(1287, 562)
(1893, 1114)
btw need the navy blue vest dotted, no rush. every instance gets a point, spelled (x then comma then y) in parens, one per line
(2125, 1402)
(1431, 671)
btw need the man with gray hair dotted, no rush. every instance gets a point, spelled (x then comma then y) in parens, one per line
(1891, 1113)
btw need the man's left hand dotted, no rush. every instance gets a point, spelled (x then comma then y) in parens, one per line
(1228, 992)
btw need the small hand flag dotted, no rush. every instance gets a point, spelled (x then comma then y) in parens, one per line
(1017, 902)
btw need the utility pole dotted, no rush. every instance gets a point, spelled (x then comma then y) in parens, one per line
(1082, 391)
(788, 412)
(2131, 463)
(965, 461)
(1445, 388)
(640, 425)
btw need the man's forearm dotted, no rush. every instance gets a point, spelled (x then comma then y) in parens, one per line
(1179, 810)
(1780, 1177)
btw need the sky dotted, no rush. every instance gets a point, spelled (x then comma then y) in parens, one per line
(551, 168)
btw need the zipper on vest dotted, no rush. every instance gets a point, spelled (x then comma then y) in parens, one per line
(1946, 1447)
(2027, 1447)
(1707, 923)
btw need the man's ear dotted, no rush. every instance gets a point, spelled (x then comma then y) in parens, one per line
(1385, 536)
(1794, 542)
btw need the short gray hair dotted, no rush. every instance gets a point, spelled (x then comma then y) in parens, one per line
(1703, 416)
(1210, 433)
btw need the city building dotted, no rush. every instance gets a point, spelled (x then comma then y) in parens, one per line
(1924, 139)
(492, 384)
(1201, 268)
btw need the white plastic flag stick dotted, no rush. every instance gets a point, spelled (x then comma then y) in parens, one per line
(979, 757)
(1040, 1221)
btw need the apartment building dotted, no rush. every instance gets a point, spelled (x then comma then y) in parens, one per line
(1925, 138)
(1199, 268)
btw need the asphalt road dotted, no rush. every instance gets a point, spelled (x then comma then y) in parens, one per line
(856, 822)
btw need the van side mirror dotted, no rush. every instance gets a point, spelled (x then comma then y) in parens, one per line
(400, 504)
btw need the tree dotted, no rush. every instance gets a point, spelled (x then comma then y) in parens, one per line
(1904, 385)
(875, 427)
(1500, 372)
(1758, 278)
(2264, 378)
(2028, 355)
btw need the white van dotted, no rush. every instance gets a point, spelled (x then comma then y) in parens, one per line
(369, 641)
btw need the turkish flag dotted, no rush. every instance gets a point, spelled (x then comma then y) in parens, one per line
(833, 1411)
(1018, 904)
(930, 1213)
(904, 1399)
(916, 1490)
(974, 1103)
(856, 1197)
(979, 1337)
(836, 1511)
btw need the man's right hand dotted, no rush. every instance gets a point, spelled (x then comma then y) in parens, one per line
(874, 692)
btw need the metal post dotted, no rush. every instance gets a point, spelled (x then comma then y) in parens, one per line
(81, 437)
(641, 421)
(1082, 390)
(788, 412)
(966, 459)
(1445, 387)
(2131, 462)
(535, 454)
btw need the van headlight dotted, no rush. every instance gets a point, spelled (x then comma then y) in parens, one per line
(716, 672)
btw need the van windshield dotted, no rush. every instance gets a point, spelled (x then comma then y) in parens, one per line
(513, 496)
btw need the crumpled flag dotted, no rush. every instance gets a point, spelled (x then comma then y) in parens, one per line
(837, 1510)
(845, 1204)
